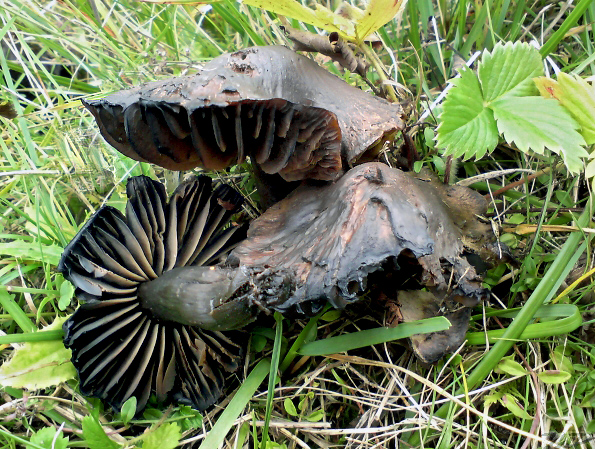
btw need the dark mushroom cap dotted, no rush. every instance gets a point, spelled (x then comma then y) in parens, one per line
(335, 236)
(120, 347)
(288, 114)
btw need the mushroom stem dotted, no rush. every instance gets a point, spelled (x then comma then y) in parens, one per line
(199, 296)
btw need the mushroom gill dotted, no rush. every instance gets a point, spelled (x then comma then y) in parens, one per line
(374, 219)
(291, 116)
(122, 348)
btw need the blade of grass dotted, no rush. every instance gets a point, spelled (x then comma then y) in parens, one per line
(572, 320)
(18, 315)
(568, 23)
(272, 378)
(226, 420)
(371, 337)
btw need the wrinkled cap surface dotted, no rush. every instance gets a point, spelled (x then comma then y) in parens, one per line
(333, 237)
(288, 114)
(121, 348)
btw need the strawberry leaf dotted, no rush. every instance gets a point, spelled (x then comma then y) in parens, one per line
(467, 127)
(537, 123)
(509, 70)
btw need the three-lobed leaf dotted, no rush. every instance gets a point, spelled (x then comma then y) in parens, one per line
(501, 99)
(166, 436)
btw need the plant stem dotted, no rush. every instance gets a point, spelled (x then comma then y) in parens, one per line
(373, 58)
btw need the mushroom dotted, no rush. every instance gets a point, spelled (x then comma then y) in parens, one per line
(334, 238)
(370, 228)
(123, 348)
(288, 114)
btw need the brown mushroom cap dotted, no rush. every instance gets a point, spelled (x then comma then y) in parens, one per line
(120, 347)
(335, 236)
(288, 114)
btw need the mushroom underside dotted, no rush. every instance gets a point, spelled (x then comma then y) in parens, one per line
(119, 347)
(288, 114)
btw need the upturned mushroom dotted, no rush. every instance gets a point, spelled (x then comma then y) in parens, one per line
(120, 346)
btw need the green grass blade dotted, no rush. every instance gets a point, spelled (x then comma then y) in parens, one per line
(272, 378)
(571, 321)
(568, 23)
(10, 306)
(226, 420)
(370, 337)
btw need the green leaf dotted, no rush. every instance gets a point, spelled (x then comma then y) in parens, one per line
(369, 337)
(66, 295)
(509, 70)
(46, 437)
(166, 436)
(554, 377)
(315, 416)
(321, 17)
(577, 96)
(466, 127)
(128, 410)
(95, 436)
(509, 366)
(290, 407)
(377, 13)
(537, 123)
(511, 403)
(36, 365)
(32, 251)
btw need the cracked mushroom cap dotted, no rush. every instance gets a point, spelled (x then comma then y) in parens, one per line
(120, 347)
(375, 218)
(291, 116)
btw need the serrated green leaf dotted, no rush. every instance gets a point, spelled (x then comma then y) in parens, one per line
(577, 96)
(467, 128)
(166, 436)
(37, 365)
(46, 437)
(554, 377)
(536, 123)
(95, 436)
(66, 295)
(509, 70)
(509, 366)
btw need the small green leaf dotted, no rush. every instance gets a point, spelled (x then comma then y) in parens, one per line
(166, 436)
(39, 364)
(128, 410)
(577, 96)
(66, 294)
(95, 436)
(554, 377)
(331, 315)
(46, 437)
(509, 366)
(290, 407)
(509, 70)
(536, 123)
(467, 128)
(315, 416)
(511, 403)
